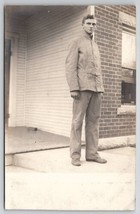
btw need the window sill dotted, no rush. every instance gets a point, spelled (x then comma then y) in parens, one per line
(126, 110)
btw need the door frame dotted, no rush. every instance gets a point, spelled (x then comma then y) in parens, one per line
(13, 78)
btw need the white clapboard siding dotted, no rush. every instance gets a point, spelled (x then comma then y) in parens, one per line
(18, 27)
(48, 102)
(21, 78)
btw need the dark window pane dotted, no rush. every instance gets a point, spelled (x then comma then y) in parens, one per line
(128, 93)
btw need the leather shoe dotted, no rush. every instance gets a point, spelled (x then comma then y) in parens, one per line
(98, 160)
(76, 162)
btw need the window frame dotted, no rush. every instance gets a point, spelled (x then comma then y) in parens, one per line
(127, 21)
(131, 78)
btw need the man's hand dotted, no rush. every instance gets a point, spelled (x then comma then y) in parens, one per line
(75, 95)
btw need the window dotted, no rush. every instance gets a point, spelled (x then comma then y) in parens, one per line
(128, 91)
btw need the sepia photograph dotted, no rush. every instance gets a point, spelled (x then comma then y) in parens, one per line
(70, 107)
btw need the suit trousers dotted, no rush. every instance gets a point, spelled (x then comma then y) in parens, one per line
(88, 106)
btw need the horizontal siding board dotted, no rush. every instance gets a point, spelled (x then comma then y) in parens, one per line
(48, 101)
(15, 26)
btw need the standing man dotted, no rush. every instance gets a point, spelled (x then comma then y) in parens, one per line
(84, 77)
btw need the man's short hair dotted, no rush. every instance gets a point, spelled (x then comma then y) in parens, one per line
(88, 17)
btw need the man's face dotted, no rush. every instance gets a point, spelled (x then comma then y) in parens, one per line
(89, 26)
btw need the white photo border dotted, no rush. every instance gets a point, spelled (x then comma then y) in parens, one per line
(70, 2)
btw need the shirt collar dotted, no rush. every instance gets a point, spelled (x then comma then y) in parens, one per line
(87, 35)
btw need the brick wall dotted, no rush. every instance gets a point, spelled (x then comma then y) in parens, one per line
(109, 39)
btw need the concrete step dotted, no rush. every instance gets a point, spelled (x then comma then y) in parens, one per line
(54, 184)
(9, 159)
(30, 146)
(58, 160)
(70, 191)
